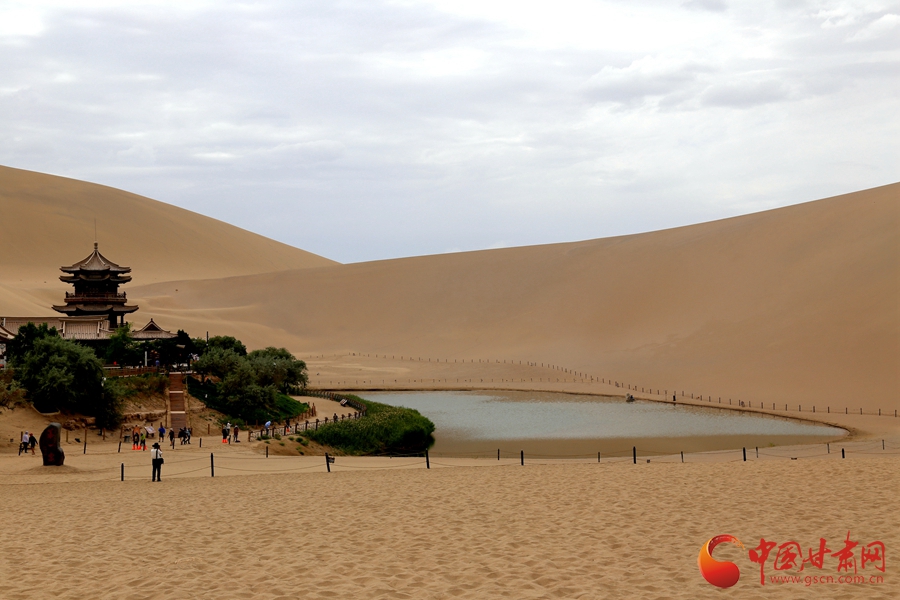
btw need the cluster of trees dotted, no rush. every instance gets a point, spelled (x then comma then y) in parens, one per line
(122, 349)
(247, 385)
(59, 374)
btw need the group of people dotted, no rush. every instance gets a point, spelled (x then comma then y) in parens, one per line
(138, 438)
(184, 435)
(228, 431)
(28, 442)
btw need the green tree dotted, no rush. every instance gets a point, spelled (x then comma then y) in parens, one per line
(61, 375)
(244, 396)
(24, 341)
(121, 348)
(227, 342)
(278, 367)
(218, 362)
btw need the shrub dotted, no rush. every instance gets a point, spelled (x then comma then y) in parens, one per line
(62, 375)
(384, 429)
(151, 384)
(11, 393)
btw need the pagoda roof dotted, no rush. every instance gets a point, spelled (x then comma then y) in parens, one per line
(97, 263)
(93, 309)
(152, 331)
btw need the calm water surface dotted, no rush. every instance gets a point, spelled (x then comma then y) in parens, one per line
(478, 420)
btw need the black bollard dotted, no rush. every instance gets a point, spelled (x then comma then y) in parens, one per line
(682, 457)
(757, 452)
(327, 463)
(745, 455)
(427, 462)
(842, 453)
(212, 465)
(267, 451)
(522, 456)
(634, 453)
(122, 468)
(828, 447)
(598, 457)
(120, 446)
(498, 453)
(201, 442)
(882, 444)
(85, 446)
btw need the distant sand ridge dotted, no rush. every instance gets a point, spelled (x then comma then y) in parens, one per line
(796, 305)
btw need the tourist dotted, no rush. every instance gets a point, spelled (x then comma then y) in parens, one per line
(268, 424)
(188, 433)
(225, 434)
(32, 442)
(135, 438)
(172, 436)
(235, 430)
(181, 435)
(143, 440)
(23, 447)
(162, 432)
(156, 459)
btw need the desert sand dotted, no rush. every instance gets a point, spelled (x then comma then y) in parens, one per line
(785, 309)
(389, 528)
(797, 305)
(49, 221)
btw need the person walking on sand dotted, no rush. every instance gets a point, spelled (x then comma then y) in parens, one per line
(225, 434)
(23, 447)
(156, 459)
(172, 436)
(235, 430)
(143, 440)
(162, 432)
(32, 442)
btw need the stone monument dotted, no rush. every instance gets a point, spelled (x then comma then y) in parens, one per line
(50, 449)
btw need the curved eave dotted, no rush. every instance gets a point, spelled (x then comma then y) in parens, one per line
(93, 277)
(94, 309)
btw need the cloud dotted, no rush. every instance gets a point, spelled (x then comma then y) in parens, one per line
(400, 128)
(746, 94)
(710, 5)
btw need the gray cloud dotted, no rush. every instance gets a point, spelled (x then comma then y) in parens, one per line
(363, 130)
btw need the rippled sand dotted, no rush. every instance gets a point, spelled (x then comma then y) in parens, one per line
(573, 530)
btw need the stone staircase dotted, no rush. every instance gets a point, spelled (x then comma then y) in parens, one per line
(177, 413)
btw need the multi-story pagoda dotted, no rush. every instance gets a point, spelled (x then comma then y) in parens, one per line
(96, 280)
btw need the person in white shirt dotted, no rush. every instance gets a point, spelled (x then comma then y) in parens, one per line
(24, 444)
(156, 458)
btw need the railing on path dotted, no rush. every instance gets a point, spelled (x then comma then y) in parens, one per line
(306, 425)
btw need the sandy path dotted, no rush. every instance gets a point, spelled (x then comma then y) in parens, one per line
(543, 531)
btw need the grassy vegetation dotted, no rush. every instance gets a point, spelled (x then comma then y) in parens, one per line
(149, 384)
(284, 407)
(384, 430)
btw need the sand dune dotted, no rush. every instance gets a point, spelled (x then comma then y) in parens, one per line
(798, 304)
(48, 221)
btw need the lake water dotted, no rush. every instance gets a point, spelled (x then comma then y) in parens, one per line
(563, 424)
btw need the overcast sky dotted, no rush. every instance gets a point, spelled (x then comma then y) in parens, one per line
(367, 130)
